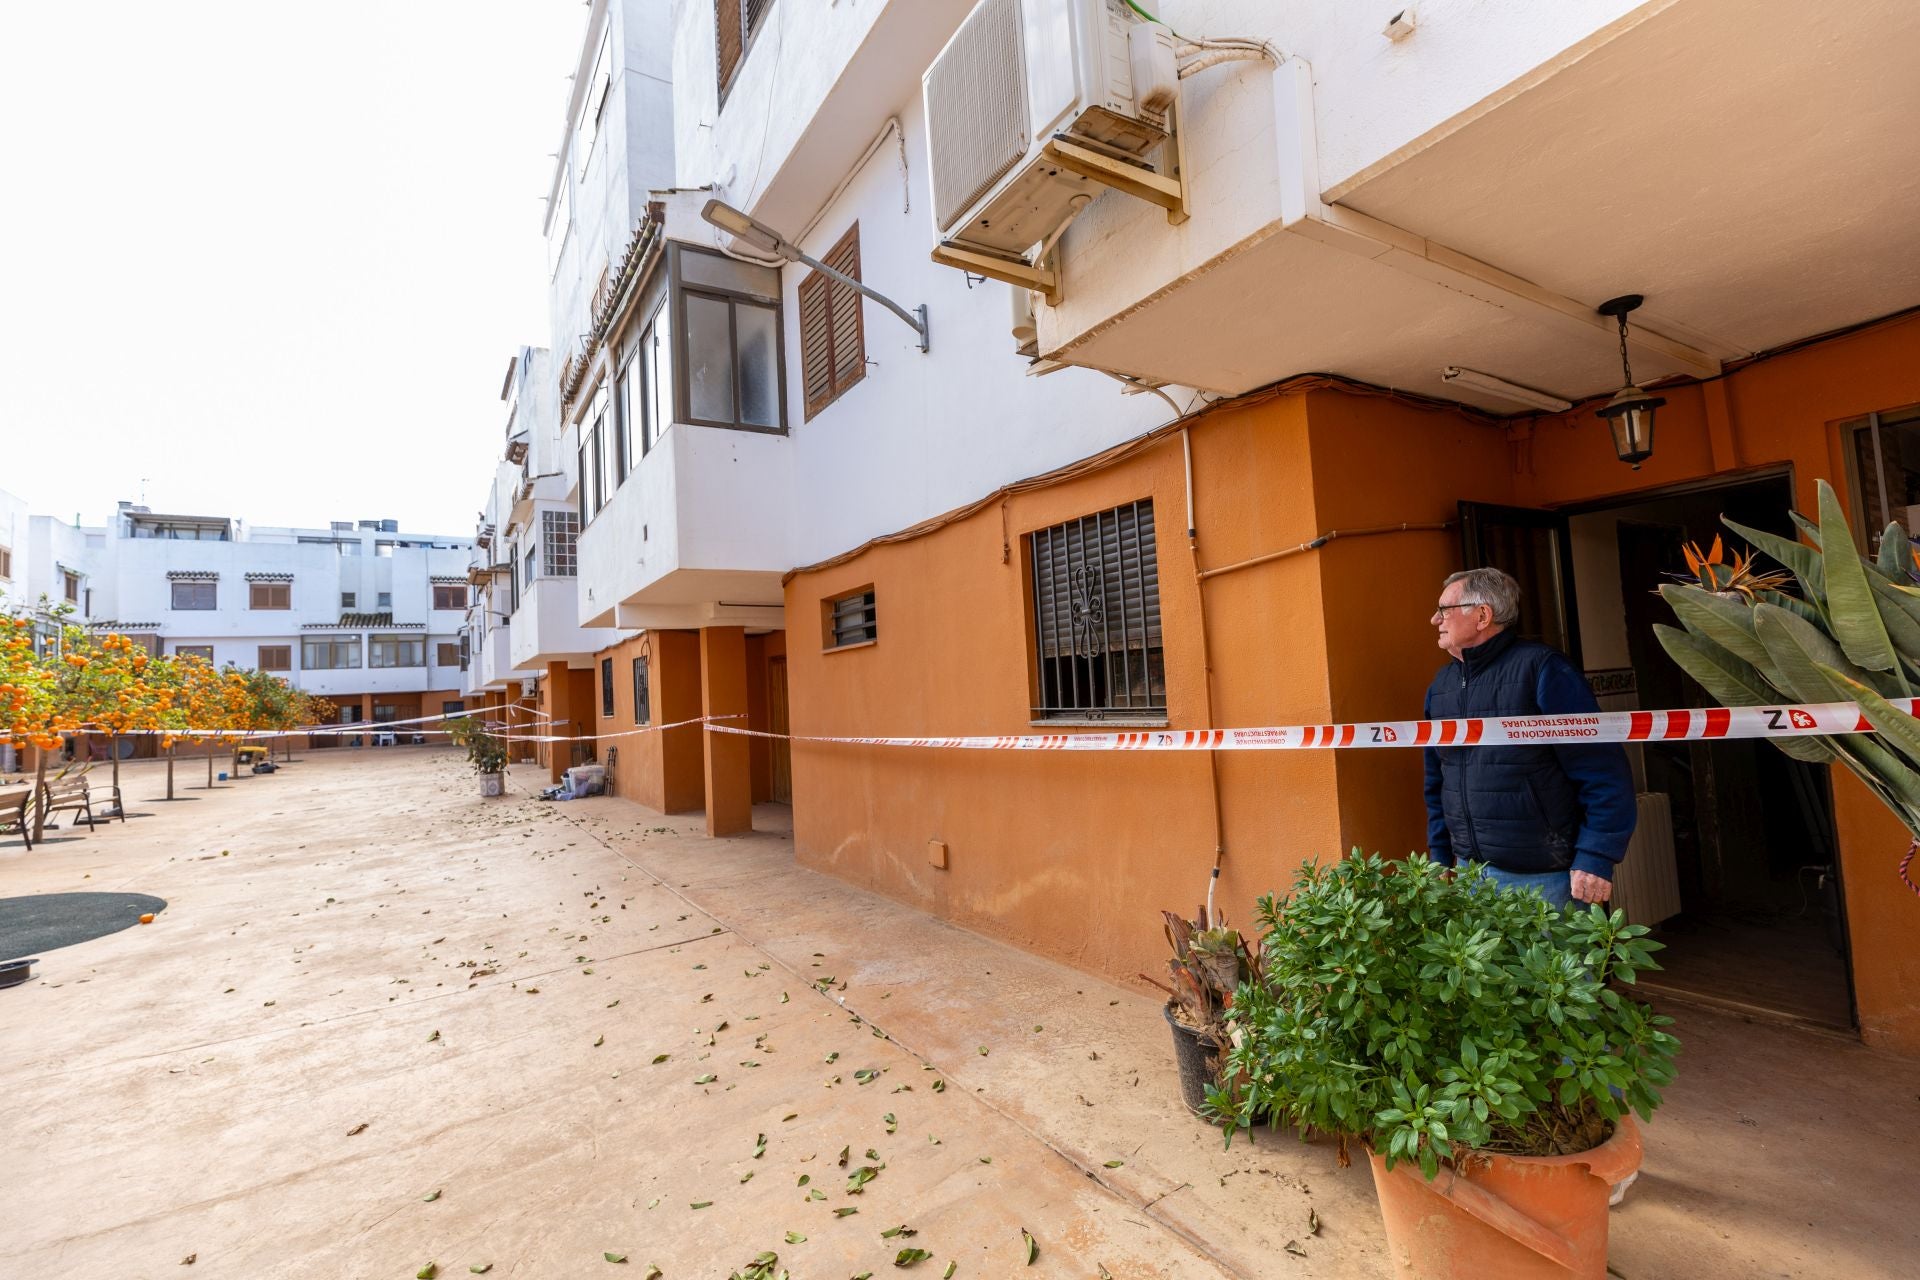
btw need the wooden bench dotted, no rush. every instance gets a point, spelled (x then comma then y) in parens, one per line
(16, 811)
(67, 795)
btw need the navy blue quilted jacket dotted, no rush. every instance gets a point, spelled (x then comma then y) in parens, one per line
(1553, 807)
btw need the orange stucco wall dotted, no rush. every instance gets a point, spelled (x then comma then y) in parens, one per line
(660, 770)
(1791, 409)
(1069, 854)
(1074, 855)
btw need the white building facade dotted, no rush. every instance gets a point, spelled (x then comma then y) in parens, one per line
(361, 613)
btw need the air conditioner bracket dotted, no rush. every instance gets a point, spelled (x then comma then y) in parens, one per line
(1142, 183)
(1043, 279)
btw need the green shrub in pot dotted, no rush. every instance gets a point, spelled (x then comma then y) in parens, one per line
(1428, 1012)
(486, 750)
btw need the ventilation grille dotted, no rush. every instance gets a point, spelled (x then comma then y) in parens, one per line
(977, 109)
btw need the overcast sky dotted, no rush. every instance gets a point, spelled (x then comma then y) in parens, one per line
(270, 260)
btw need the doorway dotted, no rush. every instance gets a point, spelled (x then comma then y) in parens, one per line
(1735, 861)
(781, 757)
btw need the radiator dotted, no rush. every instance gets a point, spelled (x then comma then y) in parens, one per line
(1647, 884)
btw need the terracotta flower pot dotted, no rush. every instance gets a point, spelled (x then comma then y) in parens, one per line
(1505, 1217)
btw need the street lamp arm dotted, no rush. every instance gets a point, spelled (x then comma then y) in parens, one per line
(916, 318)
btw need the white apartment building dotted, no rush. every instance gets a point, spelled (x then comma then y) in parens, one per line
(1204, 282)
(360, 613)
(523, 633)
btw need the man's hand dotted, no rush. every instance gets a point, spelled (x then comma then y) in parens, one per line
(1588, 887)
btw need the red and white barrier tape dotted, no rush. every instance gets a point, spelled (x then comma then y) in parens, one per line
(1708, 724)
(1820, 720)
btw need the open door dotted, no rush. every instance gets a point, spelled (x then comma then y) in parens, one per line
(1535, 547)
(782, 754)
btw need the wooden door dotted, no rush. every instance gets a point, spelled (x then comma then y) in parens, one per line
(1533, 546)
(777, 723)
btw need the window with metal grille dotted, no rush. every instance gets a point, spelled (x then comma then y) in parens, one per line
(833, 353)
(851, 620)
(269, 595)
(606, 687)
(276, 657)
(346, 599)
(560, 532)
(642, 693)
(736, 23)
(186, 595)
(1096, 616)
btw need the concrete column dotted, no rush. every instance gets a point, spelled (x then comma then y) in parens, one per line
(729, 767)
(366, 718)
(560, 707)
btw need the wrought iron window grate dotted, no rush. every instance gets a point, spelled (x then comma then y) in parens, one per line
(1096, 613)
(854, 620)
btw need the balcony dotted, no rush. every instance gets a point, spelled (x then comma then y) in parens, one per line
(1670, 153)
(546, 627)
(699, 535)
(814, 88)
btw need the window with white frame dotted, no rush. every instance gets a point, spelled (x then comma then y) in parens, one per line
(560, 224)
(202, 651)
(329, 653)
(396, 651)
(593, 109)
(559, 535)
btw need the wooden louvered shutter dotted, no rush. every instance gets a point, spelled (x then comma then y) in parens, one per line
(816, 342)
(833, 354)
(729, 40)
(849, 339)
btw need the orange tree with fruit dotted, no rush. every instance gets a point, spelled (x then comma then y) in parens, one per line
(110, 685)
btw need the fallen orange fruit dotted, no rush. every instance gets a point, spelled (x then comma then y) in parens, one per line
(147, 918)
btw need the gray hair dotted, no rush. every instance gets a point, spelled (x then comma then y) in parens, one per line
(1492, 588)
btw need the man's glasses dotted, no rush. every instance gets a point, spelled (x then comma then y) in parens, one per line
(1438, 610)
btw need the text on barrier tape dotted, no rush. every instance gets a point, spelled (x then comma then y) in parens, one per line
(1818, 720)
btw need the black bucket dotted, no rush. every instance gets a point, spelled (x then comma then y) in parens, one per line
(1198, 1059)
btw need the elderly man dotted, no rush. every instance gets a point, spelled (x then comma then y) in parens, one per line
(1554, 818)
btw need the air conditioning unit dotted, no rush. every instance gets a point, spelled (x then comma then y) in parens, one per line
(1016, 74)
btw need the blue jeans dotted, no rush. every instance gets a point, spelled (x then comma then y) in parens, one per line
(1555, 886)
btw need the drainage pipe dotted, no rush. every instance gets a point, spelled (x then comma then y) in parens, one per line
(1206, 658)
(1321, 541)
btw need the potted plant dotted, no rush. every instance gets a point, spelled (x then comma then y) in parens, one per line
(1847, 631)
(1209, 963)
(486, 752)
(1473, 1039)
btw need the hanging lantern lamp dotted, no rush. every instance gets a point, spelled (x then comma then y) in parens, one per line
(1629, 414)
